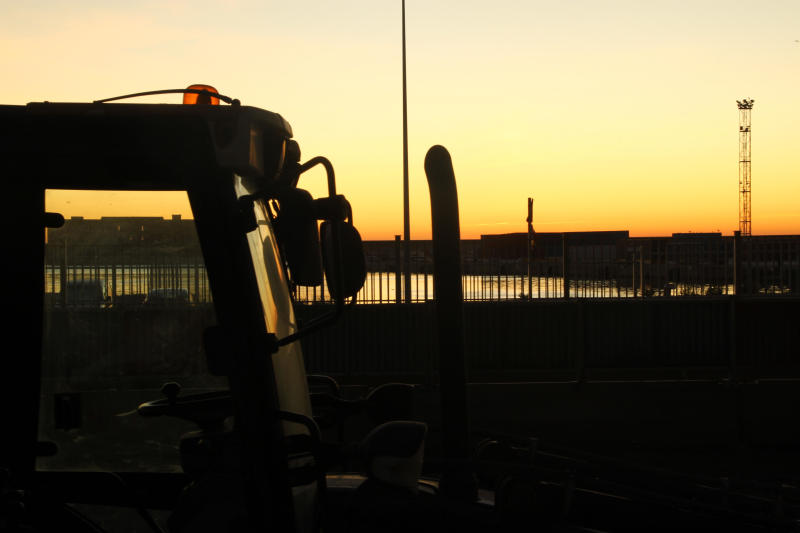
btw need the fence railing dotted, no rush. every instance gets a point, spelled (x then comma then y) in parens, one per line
(106, 275)
(630, 268)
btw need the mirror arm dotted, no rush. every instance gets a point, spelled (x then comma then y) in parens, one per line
(314, 325)
(320, 160)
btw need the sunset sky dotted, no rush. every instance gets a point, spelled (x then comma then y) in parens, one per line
(611, 114)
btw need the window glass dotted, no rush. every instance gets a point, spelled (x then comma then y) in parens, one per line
(287, 364)
(126, 302)
(271, 278)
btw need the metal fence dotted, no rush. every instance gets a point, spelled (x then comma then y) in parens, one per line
(99, 276)
(656, 303)
(630, 268)
(675, 338)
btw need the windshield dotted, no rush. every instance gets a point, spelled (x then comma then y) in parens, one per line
(126, 302)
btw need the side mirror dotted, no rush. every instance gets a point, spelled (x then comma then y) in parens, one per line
(297, 231)
(346, 273)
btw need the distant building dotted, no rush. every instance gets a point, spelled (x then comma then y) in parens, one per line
(697, 235)
(381, 256)
(601, 245)
(174, 233)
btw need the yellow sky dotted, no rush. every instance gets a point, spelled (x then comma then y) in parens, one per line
(611, 114)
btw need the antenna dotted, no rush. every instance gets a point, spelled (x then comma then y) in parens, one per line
(745, 108)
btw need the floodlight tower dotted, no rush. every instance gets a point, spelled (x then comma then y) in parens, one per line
(745, 107)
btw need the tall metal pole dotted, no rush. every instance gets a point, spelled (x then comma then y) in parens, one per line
(406, 212)
(745, 107)
(530, 247)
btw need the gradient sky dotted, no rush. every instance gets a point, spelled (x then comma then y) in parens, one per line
(612, 115)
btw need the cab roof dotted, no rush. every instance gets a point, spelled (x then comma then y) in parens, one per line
(138, 146)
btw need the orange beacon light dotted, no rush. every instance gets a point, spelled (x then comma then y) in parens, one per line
(201, 99)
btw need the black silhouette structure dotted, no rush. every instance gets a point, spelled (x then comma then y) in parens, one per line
(247, 441)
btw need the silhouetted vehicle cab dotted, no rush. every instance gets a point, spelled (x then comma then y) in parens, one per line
(200, 411)
(150, 413)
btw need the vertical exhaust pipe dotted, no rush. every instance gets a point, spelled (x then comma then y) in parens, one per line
(458, 480)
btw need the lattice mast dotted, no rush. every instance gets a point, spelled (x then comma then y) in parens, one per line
(745, 108)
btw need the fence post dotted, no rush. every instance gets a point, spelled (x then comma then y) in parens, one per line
(63, 276)
(565, 263)
(114, 274)
(530, 246)
(580, 355)
(737, 257)
(732, 338)
(641, 271)
(397, 269)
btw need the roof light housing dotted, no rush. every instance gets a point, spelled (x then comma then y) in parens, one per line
(201, 95)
